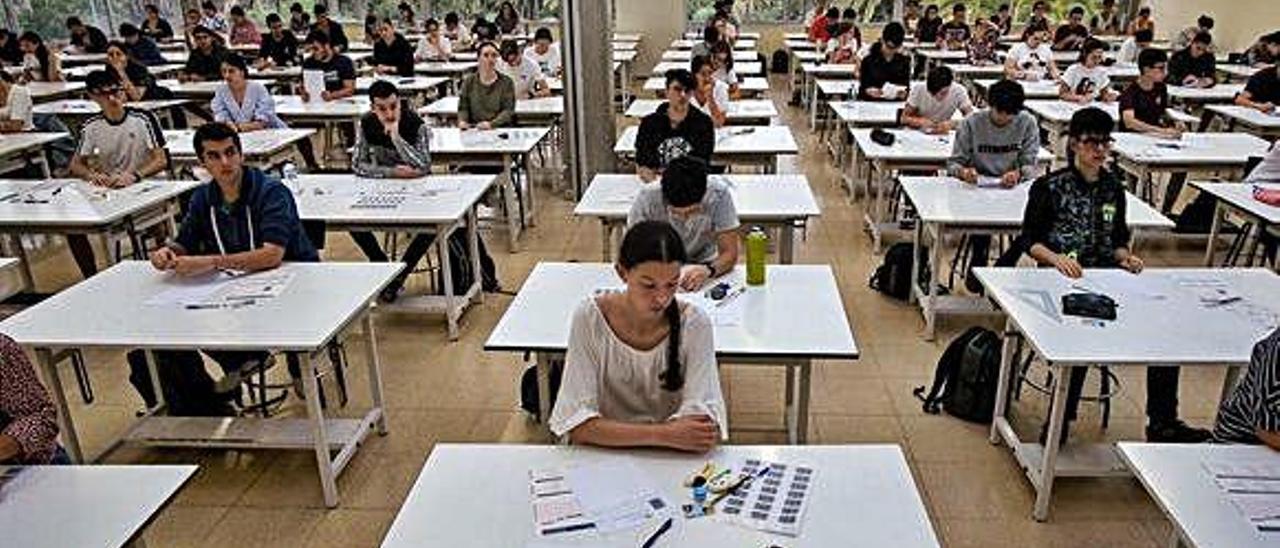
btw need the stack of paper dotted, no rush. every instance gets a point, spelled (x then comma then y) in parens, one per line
(602, 497)
(1252, 486)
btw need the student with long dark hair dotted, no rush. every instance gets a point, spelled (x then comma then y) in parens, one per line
(154, 26)
(39, 64)
(641, 368)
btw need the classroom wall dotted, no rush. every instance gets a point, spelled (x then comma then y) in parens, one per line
(1237, 23)
(661, 21)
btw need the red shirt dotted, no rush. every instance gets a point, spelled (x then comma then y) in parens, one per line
(818, 31)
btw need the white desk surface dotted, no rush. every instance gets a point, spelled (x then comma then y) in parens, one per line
(799, 44)
(754, 68)
(935, 54)
(85, 107)
(430, 200)
(110, 310)
(1152, 325)
(1249, 116)
(731, 140)
(79, 204)
(1240, 196)
(914, 145)
(977, 71)
(624, 45)
(1193, 148)
(808, 55)
(451, 140)
(831, 88)
(1175, 478)
(415, 84)
(346, 108)
(864, 496)
(756, 197)
(192, 89)
(1040, 89)
(625, 56)
(628, 36)
(688, 43)
(13, 143)
(446, 68)
(744, 109)
(798, 313)
(464, 56)
(740, 56)
(754, 84)
(1058, 111)
(949, 201)
(86, 506)
(276, 73)
(1237, 71)
(81, 72)
(829, 70)
(262, 142)
(696, 34)
(873, 113)
(538, 106)
(1220, 93)
(41, 90)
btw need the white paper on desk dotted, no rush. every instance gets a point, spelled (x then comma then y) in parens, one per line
(616, 495)
(189, 290)
(1238, 468)
(1257, 508)
(1124, 284)
(726, 312)
(989, 182)
(313, 82)
(1245, 485)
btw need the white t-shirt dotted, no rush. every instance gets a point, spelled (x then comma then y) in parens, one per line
(605, 377)
(1129, 51)
(929, 106)
(18, 107)
(1268, 171)
(549, 62)
(433, 52)
(523, 76)
(1035, 61)
(124, 146)
(719, 94)
(1086, 81)
(729, 77)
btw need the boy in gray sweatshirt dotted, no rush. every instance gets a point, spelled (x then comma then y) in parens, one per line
(1000, 142)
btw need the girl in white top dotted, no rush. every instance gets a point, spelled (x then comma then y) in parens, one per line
(15, 105)
(712, 95)
(435, 46)
(1031, 59)
(722, 60)
(1087, 80)
(640, 369)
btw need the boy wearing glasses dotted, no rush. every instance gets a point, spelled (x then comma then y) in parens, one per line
(1076, 219)
(117, 148)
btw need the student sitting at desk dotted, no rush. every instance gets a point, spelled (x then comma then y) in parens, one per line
(927, 27)
(508, 19)
(640, 370)
(1039, 15)
(844, 47)
(954, 34)
(674, 130)
(10, 53)
(392, 53)
(39, 63)
(279, 47)
(1003, 19)
(246, 105)
(999, 143)
(136, 81)
(484, 30)
(1031, 59)
(1107, 21)
(545, 53)
(407, 18)
(456, 32)
(15, 105)
(1142, 22)
(299, 19)
(710, 36)
(885, 72)
(981, 48)
(86, 38)
(1075, 220)
(701, 211)
(1264, 53)
(1251, 413)
(435, 46)
(1268, 170)
(1144, 103)
(211, 18)
(524, 73)
(28, 421)
(1262, 92)
(1072, 33)
(710, 95)
(1087, 80)
(339, 71)
(190, 21)
(242, 220)
(140, 48)
(722, 60)
(1132, 46)
(117, 148)
(1194, 66)
(487, 98)
(329, 27)
(1186, 36)
(243, 31)
(204, 63)
(155, 27)
(932, 103)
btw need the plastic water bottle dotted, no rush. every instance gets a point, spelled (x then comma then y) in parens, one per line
(757, 248)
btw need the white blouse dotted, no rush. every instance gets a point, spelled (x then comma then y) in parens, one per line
(606, 377)
(18, 107)
(719, 95)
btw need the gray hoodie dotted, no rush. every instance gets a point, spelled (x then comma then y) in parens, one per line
(993, 150)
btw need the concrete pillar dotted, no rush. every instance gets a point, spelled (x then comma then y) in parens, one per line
(590, 125)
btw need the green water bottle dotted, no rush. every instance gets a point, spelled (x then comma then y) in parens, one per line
(757, 248)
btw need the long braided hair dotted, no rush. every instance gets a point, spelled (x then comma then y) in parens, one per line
(657, 241)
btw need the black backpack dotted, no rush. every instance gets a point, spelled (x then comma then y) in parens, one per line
(893, 276)
(529, 387)
(781, 62)
(1197, 216)
(460, 265)
(966, 377)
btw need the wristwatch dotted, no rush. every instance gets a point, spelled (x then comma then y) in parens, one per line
(711, 265)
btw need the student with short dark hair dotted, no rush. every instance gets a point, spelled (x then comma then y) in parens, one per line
(674, 130)
(86, 38)
(955, 33)
(1003, 19)
(141, 48)
(243, 31)
(10, 52)
(1087, 80)
(1076, 220)
(1039, 15)
(1194, 66)
(1144, 103)
(204, 63)
(339, 71)
(545, 53)
(1265, 52)
(1180, 41)
(212, 19)
(435, 46)
(701, 211)
(523, 72)
(487, 98)
(299, 20)
(710, 36)
(1142, 22)
(932, 104)
(1251, 413)
(928, 25)
(392, 53)
(407, 18)
(1262, 92)
(279, 46)
(885, 72)
(1133, 45)
(455, 31)
(1072, 33)
(331, 28)
(640, 369)
(1032, 58)
(154, 27)
(845, 45)
(1107, 21)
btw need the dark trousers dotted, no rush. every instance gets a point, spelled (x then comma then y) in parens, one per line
(1162, 393)
(980, 247)
(188, 389)
(418, 247)
(82, 252)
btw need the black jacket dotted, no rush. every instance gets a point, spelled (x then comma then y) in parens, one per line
(399, 55)
(875, 71)
(1073, 217)
(657, 143)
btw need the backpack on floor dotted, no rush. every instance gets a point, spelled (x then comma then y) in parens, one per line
(1197, 216)
(529, 387)
(780, 63)
(964, 383)
(460, 265)
(893, 276)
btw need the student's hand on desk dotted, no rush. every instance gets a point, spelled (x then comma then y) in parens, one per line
(1133, 264)
(694, 433)
(192, 266)
(875, 93)
(326, 96)
(969, 175)
(1266, 107)
(463, 125)
(302, 94)
(484, 125)
(692, 276)
(938, 128)
(1067, 266)
(164, 259)
(1010, 179)
(405, 172)
(100, 179)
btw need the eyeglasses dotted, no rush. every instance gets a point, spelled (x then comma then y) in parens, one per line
(1097, 142)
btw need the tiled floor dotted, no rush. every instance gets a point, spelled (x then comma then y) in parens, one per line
(441, 391)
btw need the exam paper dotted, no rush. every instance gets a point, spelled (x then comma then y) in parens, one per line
(313, 82)
(616, 495)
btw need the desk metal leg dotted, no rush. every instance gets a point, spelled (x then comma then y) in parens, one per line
(526, 214)
(786, 248)
(917, 243)
(1002, 382)
(935, 263)
(44, 357)
(1215, 227)
(510, 199)
(375, 372)
(28, 280)
(319, 433)
(473, 245)
(606, 239)
(1043, 482)
(802, 404)
(446, 273)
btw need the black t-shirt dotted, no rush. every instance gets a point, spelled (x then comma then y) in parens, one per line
(92, 41)
(1069, 30)
(875, 71)
(927, 29)
(282, 52)
(1148, 106)
(161, 32)
(1264, 86)
(9, 52)
(954, 31)
(657, 143)
(399, 55)
(337, 38)
(336, 70)
(1182, 64)
(208, 66)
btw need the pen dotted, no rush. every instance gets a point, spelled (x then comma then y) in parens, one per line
(738, 485)
(649, 542)
(731, 296)
(569, 528)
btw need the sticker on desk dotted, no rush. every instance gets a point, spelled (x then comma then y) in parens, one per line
(775, 502)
